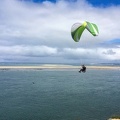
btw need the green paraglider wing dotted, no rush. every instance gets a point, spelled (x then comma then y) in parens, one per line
(78, 28)
(92, 28)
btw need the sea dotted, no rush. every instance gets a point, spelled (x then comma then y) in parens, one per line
(59, 94)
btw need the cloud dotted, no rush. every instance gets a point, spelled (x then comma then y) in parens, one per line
(92, 54)
(26, 53)
(109, 52)
(40, 51)
(43, 30)
(45, 53)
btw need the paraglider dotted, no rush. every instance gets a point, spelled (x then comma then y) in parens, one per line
(78, 28)
(83, 69)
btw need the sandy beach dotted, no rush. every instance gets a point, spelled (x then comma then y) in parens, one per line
(114, 119)
(56, 66)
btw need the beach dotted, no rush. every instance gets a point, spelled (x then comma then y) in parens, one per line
(114, 118)
(55, 66)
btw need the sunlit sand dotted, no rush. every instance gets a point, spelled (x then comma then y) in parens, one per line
(114, 119)
(56, 66)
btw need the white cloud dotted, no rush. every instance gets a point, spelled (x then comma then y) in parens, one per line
(91, 54)
(28, 29)
(30, 53)
(28, 50)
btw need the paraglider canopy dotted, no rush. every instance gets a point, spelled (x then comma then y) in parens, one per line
(78, 28)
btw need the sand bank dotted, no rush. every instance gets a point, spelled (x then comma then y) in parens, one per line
(114, 119)
(53, 66)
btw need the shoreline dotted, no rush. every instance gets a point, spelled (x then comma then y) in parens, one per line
(53, 66)
(114, 118)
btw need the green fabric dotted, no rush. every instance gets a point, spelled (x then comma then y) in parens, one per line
(77, 30)
(92, 28)
(77, 33)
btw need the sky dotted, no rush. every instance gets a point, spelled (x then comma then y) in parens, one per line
(40, 31)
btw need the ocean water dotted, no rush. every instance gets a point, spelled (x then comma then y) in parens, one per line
(59, 94)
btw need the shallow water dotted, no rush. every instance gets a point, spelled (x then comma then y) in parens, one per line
(59, 94)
